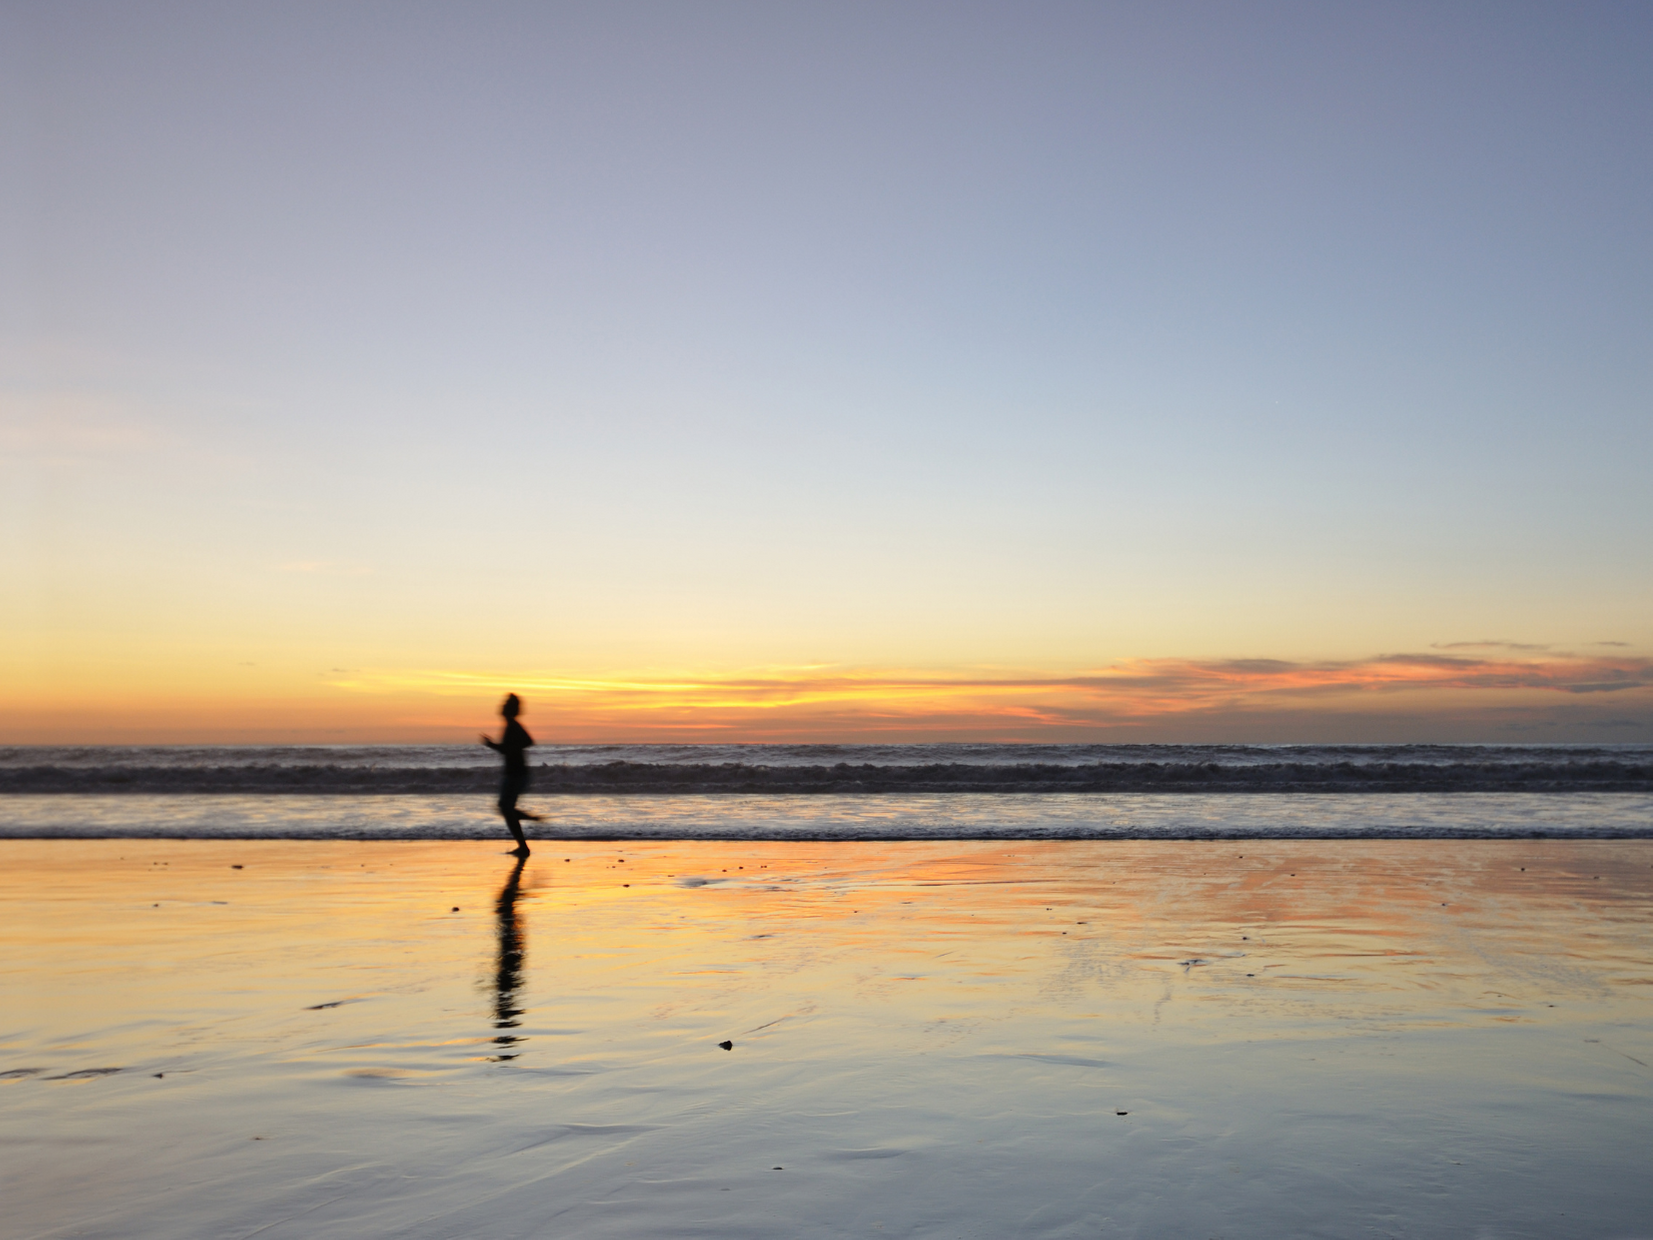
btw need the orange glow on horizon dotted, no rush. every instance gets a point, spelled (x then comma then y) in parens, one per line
(1142, 699)
(1131, 688)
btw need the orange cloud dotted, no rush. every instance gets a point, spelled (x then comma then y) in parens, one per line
(1437, 696)
(821, 701)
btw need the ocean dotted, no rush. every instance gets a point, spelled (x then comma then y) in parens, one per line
(835, 792)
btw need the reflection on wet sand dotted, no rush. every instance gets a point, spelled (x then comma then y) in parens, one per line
(1247, 1039)
(508, 965)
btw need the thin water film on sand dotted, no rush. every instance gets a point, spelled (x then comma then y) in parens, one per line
(426, 1039)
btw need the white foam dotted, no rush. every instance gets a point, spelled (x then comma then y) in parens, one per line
(1580, 815)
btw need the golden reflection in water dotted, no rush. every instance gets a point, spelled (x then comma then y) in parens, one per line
(691, 939)
(1328, 1024)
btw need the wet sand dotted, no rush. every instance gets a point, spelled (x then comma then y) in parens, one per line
(939, 1039)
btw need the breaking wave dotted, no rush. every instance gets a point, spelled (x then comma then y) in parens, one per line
(833, 769)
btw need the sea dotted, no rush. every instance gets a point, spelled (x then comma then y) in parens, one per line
(834, 792)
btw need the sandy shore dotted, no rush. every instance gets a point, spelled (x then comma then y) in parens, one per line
(1041, 1039)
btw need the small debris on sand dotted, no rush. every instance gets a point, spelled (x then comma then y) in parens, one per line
(728, 1046)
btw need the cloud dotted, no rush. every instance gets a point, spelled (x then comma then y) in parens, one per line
(1129, 695)
(72, 425)
(1490, 644)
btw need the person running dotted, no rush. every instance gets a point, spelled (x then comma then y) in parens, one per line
(513, 747)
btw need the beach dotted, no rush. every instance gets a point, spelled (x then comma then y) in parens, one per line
(301, 1038)
(969, 621)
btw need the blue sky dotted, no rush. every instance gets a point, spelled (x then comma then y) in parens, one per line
(497, 337)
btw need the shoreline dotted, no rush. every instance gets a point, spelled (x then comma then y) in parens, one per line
(887, 817)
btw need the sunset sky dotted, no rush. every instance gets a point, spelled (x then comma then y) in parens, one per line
(834, 371)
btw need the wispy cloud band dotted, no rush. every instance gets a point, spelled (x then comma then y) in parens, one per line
(1124, 694)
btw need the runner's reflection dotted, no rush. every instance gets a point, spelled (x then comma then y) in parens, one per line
(508, 973)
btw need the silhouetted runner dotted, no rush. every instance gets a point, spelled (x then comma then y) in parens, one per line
(513, 748)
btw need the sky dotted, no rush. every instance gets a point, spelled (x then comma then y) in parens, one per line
(790, 371)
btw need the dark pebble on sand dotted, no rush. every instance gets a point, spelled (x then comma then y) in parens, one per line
(728, 1046)
(456, 908)
(1121, 1112)
(777, 1168)
(235, 867)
